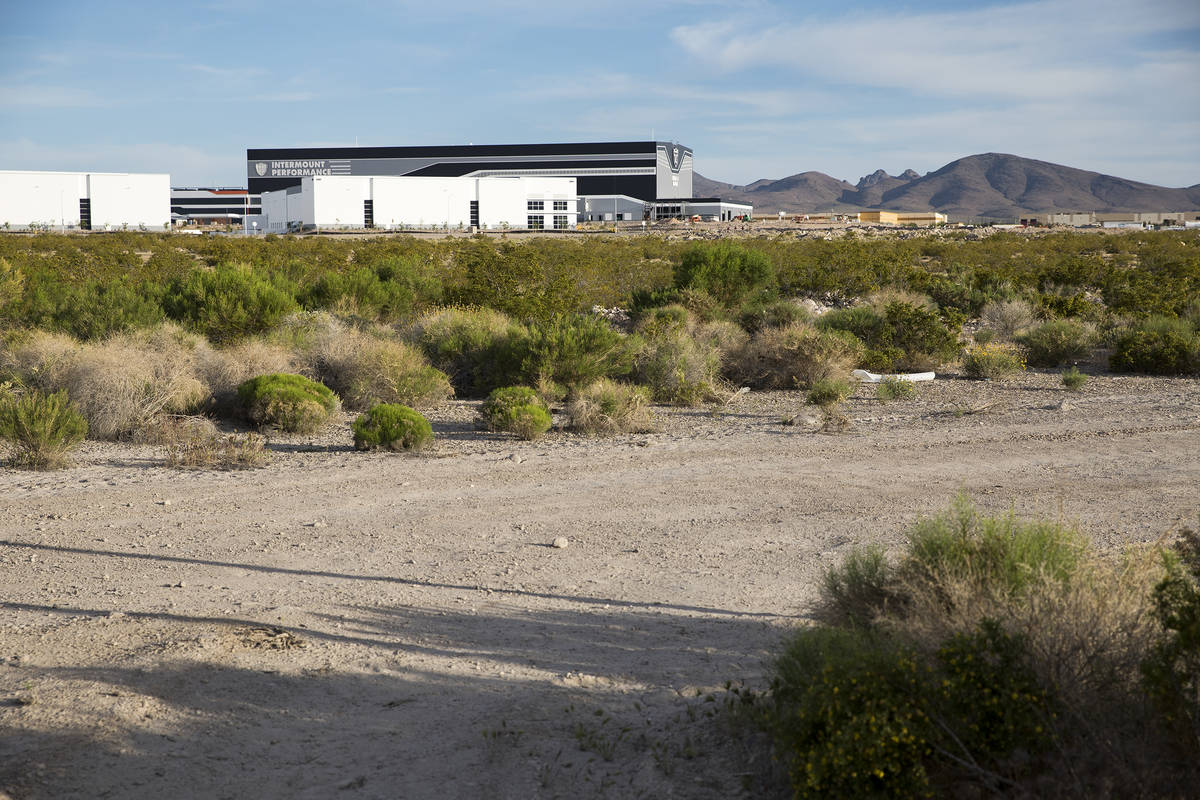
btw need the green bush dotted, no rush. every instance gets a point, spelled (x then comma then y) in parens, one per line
(1054, 343)
(390, 291)
(1073, 379)
(859, 589)
(829, 392)
(1004, 553)
(516, 409)
(479, 349)
(575, 350)
(394, 427)
(291, 403)
(1171, 671)
(1158, 346)
(761, 313)
(893, 388)
(796, 356)
(847, 715)
(607, 408)
(678, 368)
(40, 428)
(728, 272)
(901, 337)
(992, 362)
(228, 302)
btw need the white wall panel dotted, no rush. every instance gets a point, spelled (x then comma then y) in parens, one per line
(41, 198)
(129, 200)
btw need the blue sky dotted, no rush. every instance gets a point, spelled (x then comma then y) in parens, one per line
(757, 89)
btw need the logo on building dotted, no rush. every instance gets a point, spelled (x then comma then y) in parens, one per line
(260, 168)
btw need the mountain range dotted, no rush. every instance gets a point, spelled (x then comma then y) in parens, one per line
(994, 186)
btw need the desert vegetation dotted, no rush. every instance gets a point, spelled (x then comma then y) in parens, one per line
(999, 655)
(135, 327)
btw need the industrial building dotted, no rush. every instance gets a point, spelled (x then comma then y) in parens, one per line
(392, 202)
(903, 217)
(84, 200)
(205, 206)
(615, 181)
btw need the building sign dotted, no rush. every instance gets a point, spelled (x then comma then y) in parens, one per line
(301, 168)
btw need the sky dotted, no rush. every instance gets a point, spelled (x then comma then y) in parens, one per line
(757, 89)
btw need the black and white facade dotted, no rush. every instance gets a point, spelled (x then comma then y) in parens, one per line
(615, 181)
(205, 205)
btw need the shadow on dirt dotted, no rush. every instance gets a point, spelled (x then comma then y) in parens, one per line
(393, 701)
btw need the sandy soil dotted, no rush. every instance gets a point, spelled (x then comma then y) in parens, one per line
(357, 625)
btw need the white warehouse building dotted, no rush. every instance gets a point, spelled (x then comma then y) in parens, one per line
(405, 202)
(84, 200)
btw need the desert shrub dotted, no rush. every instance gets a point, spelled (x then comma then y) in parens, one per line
(574, 350)
(1058, 341)
(1073, 379)
(663, 319)
(364, 370)
(1171, 670)
(1004, 553)
(479, 349)
(228, 302)
(523, 281)
(527, 420)
(607, 407)
(507, 409)
(846, 715)
(393, 427)
(678, 368)
(291, 403)
(12, 285)
(127, 382)
(984, 336)
(992, 361)
(829, 392)
(728, 338)
(388, 290)
(898, 337)
(40, 428)
(1008, 318)
(93, 309)
(859, 589)
(37, 359)
(194, 443)
(796, 356)
(761, 313)
(893, 388)
(1157, 346)
(985, 640)
(728, 272)
(226, 368)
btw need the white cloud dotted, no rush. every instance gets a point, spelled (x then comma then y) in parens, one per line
(1042, 49)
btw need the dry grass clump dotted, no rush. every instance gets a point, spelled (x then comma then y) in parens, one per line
(120, 385)
(195, 443)
(798, 355)
(679, 368)
(37, 359)
(366, 368)
(884, 297)
(1008, 318)
(607, 408)
(224, 369)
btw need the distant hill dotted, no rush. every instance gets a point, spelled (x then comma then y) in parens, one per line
(990, 185)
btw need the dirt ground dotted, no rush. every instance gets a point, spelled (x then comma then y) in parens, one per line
(354, 625)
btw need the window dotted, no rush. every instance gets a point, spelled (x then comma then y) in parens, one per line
(535, 205)
(560, 222)
(560, 205)
(535, 222)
